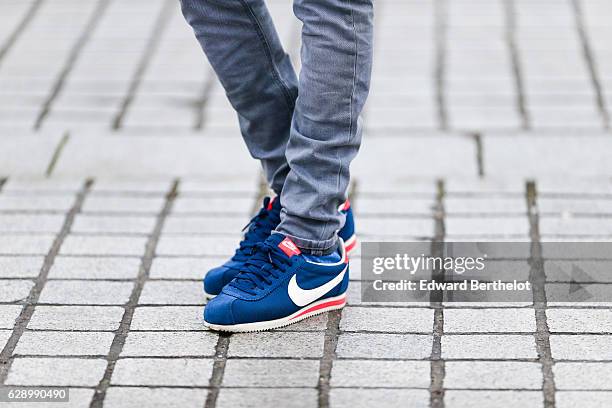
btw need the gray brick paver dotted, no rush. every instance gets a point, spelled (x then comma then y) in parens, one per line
(76, 318)
(8, 315)
(106, 186)
(119, 204)
(592, 399)
(64, 343)
(160, 372)
(180, 245)
(579, 320)
(583, 376)
(168, 318)
(13, 244)
(20, 266)
(36, 185)
(410, 346)
(112, 224)
(27, 202)
(84, 292)
(184, 268)
(56, 371)
(489, 320)
(15, 290)
(29, 223)
(214, 205)
(581, 347)
(387, 319)
(203, 225)
(373, 374)
(4, 337)
(255, 398)
(276, 344)
(365, 398)
(103, 245)
(169, 344)
(136, 397)
(172, 293)
(485, 399)
(484, 346)
(279, 373)
(68, 267)
(492, 375)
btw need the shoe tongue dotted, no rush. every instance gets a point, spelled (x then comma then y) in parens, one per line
(285, 244)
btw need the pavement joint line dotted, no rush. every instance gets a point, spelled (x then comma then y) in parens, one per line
(21, 27)
(439, 75)
(57, 153)
(589, 57)
(332, 333)
(3, 181)
(314, 359)
(154, 39)
(537, 277)
(200, 105)
(39, 283)
(223, 342)
(437, 365)
(83, 38)
(274, 387)
(515, 60)
(372, 332)
(216, 378)
(124, 327)
(330, 342)
(477, 137)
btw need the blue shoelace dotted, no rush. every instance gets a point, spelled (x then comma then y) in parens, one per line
(265, 265)
(259, 229)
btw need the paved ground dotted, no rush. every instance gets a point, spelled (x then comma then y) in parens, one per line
(124, 178)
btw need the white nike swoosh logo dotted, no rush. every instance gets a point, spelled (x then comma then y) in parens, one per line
(302, 297)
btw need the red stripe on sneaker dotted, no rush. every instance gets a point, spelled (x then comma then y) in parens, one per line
(271, 203)
(321, 306)
(350, 246)
(346, 206)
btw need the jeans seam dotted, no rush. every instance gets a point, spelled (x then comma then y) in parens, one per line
(266, 47)
(351, 98)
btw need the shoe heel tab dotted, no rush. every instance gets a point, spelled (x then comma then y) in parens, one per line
(345, 206)
(343, 252)
(271, 201)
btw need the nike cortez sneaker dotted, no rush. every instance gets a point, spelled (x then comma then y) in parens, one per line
(258, 230)
(279, 286)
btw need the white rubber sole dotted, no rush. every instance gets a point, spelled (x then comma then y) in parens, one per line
(318, 307)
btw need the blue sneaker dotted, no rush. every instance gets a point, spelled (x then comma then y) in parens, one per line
(347, 233)
(258, 230)
(279, 286)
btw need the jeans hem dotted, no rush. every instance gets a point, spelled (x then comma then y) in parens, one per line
(312, 247)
